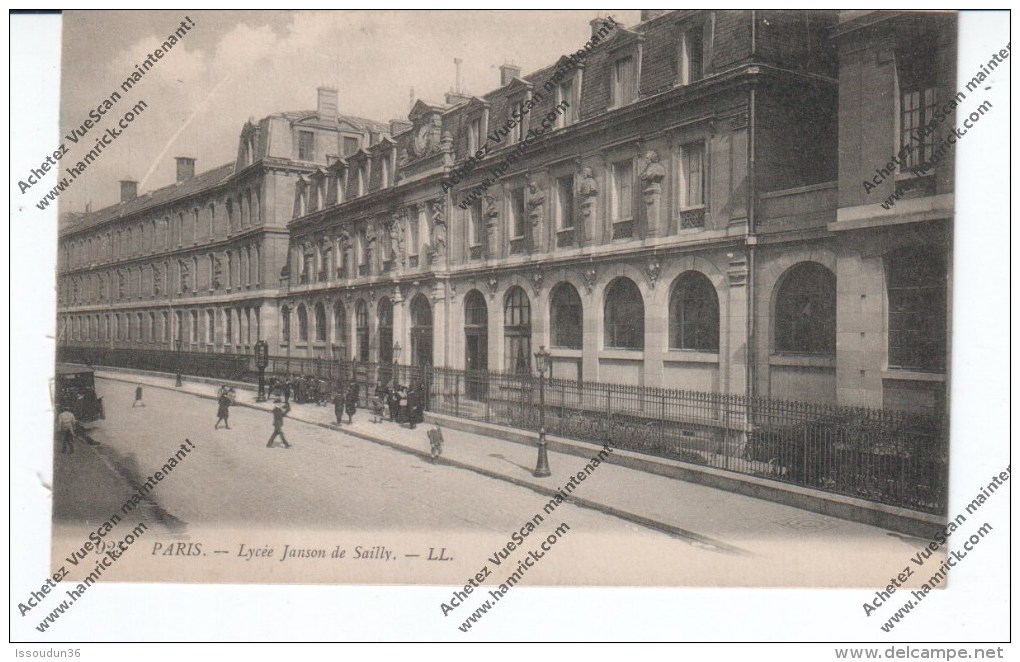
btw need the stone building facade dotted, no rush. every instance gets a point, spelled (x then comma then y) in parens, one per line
(198, 261)
(680, 206)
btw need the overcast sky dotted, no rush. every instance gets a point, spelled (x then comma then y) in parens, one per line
(236, 65)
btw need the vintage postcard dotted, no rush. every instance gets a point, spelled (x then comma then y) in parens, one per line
(636, 298)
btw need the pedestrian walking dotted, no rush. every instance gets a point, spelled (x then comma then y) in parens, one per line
(287, 388)
(436, 443)
(223, 411)
(138, 397)
(339, 399)
(66, 423)
(278, 414)
(351, 402)
(416, 406)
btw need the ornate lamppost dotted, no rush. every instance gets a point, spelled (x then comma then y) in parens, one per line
(261, 361)
(543, 361)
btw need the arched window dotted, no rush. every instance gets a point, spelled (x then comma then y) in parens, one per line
(152, 327)
(476, 343)
(566, 317)
(302, 324)
(285, 323)
(320, 322)
(694, 314)
(340, 328)
(361, 329)
(916, 286)
(517, 331)
(806, 310)
(385, 314)
(421, 331)
(624, 315)
(166, 327)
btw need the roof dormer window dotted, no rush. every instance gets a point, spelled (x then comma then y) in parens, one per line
(306, 146)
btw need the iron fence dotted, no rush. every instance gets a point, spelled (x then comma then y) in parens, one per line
(891, 457)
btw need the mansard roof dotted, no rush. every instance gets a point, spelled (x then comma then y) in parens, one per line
(153, 199)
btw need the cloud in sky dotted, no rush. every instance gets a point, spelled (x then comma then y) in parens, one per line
(266, 62)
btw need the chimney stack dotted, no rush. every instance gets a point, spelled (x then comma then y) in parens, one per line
(457, 62)
(128, 190)
(327, 107)
(598, 23)
(649, 14)
(399, 126)
(453, 98)
(185, 168)
(507, 73)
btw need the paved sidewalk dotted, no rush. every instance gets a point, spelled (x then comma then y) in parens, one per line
(703, 516)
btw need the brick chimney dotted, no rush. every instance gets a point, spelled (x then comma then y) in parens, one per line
(327, 106)
(507, 73)
(128, 190)
(185, 168)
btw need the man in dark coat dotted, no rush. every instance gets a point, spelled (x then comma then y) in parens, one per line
(393, 400)
(351, 402)
(339, 399)
(416, 406)
(223, 411)
(278, 415)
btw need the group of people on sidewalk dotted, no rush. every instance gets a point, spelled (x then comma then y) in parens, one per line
(404, 405)
(304, 389)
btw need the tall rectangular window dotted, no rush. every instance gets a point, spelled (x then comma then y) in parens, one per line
(306, 146)
(474, 135)
(692, 49)
(414, 222)
(385, 167)
(565, 203)
(565, 92)
(350, 145)
(692, 175)
(475, 229)
(623, 81)
(518, 213)
(361, 180)
(519, 131)
(915, 73)
(362, 250)
(621, 194)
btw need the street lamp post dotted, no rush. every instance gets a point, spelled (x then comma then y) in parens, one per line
(396, 357)
(543, 361)
(178, 383)
(261, 362)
